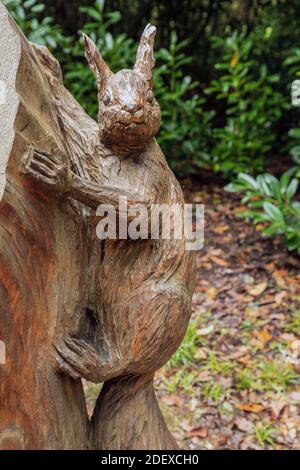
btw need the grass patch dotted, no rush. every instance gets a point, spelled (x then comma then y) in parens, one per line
(214, 391)
(294, 325)
(185, 355)
(264, 433)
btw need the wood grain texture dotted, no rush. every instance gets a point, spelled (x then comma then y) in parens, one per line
(72, 306)
(40, 279)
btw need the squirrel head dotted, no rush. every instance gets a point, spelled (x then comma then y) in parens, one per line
(129, 115)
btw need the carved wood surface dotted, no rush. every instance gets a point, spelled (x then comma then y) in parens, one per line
(72, 306)
(40, 278)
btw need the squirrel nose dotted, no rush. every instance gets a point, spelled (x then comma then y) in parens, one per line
(133, 107)
(139, 116)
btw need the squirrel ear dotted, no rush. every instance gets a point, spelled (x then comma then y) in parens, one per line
(96, 62)
(145, 60)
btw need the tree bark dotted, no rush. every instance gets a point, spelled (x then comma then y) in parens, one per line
(43, 264)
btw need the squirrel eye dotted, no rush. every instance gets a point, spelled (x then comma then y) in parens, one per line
(106, 98)
(150, 96)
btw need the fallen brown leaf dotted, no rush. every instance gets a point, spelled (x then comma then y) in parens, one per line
(219, 261)
(277, 407)
(244, 425)
(220, 229)
(257, 290)
(201, 431)
(263, 336)
(250, 407)
(279, 297)
(173, 400)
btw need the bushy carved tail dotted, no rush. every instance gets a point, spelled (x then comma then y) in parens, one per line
(127, 417)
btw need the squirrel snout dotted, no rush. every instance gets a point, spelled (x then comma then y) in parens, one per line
(133, 108)
(138, 115)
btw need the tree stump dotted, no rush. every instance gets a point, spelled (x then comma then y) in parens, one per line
(71, 305)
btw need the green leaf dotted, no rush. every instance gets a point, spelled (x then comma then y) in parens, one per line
(273, 212)
(38, 8)
(92, 12)
(295, 152)
(284, 181)
(292, 188)
(234, 188)
(294, 133)
(249, 180)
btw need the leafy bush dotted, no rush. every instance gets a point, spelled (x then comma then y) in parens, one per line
(185, 134)
(272, 202)
(295, 149)
(292, 62)
(40, 31)
(252, 106)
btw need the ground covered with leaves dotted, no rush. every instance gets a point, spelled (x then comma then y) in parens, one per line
(235, 381)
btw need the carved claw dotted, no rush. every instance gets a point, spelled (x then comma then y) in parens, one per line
(48, 171)
(77, 359)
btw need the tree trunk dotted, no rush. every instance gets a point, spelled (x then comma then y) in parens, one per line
(43, 264)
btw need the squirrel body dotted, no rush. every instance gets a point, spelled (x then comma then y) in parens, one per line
(142, 289)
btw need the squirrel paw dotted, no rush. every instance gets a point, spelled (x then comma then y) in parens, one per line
(52, 173)
(77, 359)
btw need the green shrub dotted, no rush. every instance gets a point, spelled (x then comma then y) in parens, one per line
(292, 62)
(272, 202)
(295, 149)
(186, 133)
(252, 106)
(40, 31)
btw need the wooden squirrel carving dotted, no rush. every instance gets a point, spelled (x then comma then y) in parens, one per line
(141, 290)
